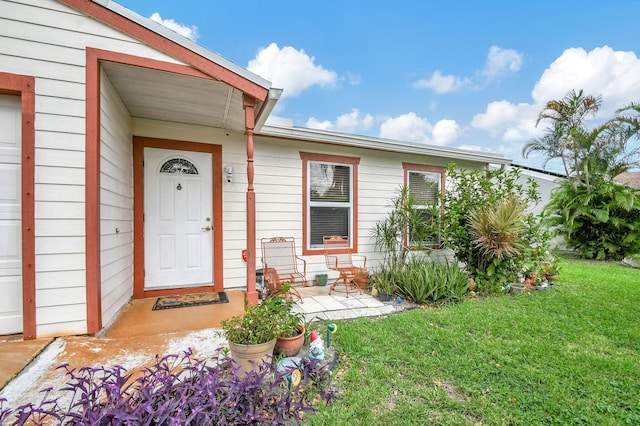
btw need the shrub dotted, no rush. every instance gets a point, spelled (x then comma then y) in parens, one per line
(423, 280)
(179, 389)
(408, 226)
(600, 221)
(474, 193)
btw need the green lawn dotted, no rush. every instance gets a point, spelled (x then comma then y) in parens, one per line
(565, 356)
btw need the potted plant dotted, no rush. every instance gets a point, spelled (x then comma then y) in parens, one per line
(361, 278)
(291, 325)
(384, 284)
(532, 274)
(252, 336)
(551, 269)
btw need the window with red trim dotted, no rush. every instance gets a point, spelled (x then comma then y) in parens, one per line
(425, 183)
(329, 198)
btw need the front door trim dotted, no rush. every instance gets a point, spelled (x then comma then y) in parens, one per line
(139, 143)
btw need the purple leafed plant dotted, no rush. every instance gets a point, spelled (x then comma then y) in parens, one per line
(178, 390)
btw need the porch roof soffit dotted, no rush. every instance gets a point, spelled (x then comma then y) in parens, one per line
(162, 95)
(167, 96)
(389, 145)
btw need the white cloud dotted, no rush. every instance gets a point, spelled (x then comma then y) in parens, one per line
(313, 123)
(190, 32)
(354, 122)
(602, 71)
(351, 122)
(407, 127)
(511, 121)
(354, 79)
(445, 132)
(441, 83)
(499, 63)
(290, 69)
(474, 148)
(502, 61)
(411, 128)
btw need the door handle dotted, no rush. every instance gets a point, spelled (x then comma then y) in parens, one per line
(206, 228)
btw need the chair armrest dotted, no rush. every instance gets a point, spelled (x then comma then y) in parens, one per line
(328, 258)
(304, 266)
(362, 258)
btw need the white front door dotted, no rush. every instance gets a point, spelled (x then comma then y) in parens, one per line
(178, 222)
(10, 215)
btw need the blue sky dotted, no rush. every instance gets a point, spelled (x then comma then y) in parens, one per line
(465, 74)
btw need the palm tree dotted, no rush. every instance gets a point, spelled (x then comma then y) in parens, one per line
(566, 138)
(628, 128)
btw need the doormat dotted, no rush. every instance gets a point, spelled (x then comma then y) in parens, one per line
(185, 300)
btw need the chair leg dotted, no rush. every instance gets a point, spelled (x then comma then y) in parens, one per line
(288, 295)
(347, 282)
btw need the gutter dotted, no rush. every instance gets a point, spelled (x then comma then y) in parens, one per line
(285, 131)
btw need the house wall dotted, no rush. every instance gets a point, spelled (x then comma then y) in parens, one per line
(116, 202)
(47, 40)
(278, 187)
(546, 185)
(279, 190)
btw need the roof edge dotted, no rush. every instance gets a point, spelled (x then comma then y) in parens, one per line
(183, 41)
(274, 129)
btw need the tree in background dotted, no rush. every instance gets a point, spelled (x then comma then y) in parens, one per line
(596, 216)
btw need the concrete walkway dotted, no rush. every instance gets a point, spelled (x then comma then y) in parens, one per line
(319, 305)
(140, 333)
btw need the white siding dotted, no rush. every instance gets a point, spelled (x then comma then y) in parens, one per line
(116, 202)
(278, 186)
(47, 40)
(279, 191)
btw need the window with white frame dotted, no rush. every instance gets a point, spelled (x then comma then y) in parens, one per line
(329, 199)
(424, 187)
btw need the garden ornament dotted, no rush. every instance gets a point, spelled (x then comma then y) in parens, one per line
(331, 328)
(316, 349)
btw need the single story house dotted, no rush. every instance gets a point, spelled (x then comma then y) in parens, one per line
(546, 180)
(136, 163)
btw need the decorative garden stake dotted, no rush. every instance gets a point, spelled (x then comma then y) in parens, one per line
(290, 367)
(331, 328)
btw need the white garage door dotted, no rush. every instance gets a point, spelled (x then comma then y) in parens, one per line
(10, 216)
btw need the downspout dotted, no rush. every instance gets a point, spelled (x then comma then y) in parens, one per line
(249, 105)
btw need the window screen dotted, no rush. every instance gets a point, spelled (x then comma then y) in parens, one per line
(424, 187)
(330, 201)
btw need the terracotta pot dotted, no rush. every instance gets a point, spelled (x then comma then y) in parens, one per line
(472, 284)
(251, 357)
(290, 346)
(362, 281)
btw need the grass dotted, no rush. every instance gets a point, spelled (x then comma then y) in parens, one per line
(568, 356)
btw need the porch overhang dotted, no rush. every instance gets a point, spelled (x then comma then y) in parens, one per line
(187, 98)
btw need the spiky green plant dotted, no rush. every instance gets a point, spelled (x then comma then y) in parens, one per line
(498, 229)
